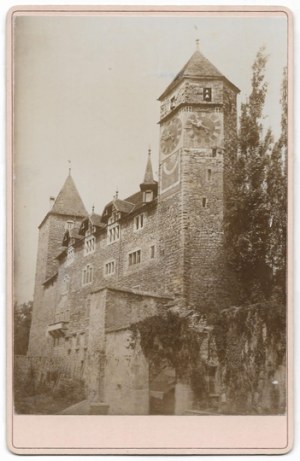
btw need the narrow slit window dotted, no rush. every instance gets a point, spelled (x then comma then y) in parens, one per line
(209, 174)
(152, 251)
(204, 202)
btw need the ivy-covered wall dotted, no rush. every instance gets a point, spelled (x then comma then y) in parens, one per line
(234, 362)
(250, 343)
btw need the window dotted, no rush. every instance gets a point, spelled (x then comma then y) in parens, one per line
(209, 174)
(204, 202)
(88, 307)
(148, 196)
(116, 215)
(69, 225)
(89, 245)
(134, 257)
(139, 221)
(87, 274)
(110, 268)
(152, 251)
(214, 152)
(70, 255)
(207, 94)
(113, 233)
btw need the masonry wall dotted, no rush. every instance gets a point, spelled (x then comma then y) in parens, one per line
(126, 386)
(50, 238)
(126, 377)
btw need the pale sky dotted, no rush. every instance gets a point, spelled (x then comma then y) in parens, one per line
(86, 90)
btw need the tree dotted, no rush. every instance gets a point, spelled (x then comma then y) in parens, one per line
(248, 215)
(277, 193)
(22, 322)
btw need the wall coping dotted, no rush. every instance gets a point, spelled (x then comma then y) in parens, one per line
(134, 292)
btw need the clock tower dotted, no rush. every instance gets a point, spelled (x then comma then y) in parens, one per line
(198, 126)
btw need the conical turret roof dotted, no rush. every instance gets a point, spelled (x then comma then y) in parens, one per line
(148, 178)
(68, 201)
(198, 66)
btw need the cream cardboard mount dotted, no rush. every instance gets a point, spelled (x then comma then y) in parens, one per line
(142, 336)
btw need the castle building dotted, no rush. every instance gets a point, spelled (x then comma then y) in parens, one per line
(164, 245)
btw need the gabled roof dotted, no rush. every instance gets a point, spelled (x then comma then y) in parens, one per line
(94, 219)
(68, 201)
(71, 234)
(198, 66)
(124, 206)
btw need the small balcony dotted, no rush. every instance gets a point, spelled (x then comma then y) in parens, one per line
(57, 329)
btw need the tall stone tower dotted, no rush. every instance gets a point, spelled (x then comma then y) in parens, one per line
(198, 126)
(67, 210)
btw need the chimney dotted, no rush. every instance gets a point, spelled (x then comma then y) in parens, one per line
(51, 200)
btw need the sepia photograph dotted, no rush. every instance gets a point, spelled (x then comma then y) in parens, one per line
(150, 161)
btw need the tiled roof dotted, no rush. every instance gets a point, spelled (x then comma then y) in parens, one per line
(74, 233)
(68, 201)
(136, 199)
(197, 66)
(96, 220)
(123, 205)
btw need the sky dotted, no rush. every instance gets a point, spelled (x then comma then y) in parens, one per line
(86, 89)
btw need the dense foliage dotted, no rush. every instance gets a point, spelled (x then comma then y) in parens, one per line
(22, 322)
(256, 218)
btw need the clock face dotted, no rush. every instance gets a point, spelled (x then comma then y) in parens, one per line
(204, 129)
(170, 136)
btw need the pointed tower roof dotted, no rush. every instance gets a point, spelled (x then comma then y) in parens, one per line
(148, 178)
(198, 66)
(68, 201)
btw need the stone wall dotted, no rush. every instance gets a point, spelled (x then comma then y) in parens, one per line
(126, 382)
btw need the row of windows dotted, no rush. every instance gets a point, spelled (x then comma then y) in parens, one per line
(134, 258)
(113, 234)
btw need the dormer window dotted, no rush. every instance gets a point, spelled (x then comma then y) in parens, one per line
(69, 225)
(207, 94)
(116, 215)
(148, 196)
(89, 245)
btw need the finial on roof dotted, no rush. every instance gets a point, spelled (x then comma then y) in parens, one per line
(93, 208)
(70, 167)
(197, 44)
(149, 151)
(116, 194)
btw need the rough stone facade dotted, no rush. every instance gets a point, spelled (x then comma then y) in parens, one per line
(96, 275)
